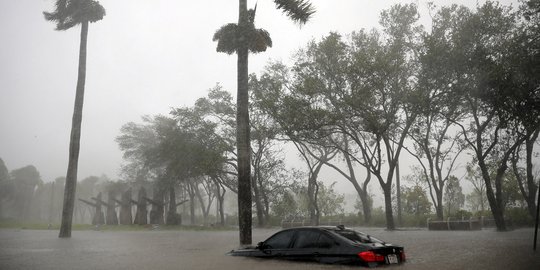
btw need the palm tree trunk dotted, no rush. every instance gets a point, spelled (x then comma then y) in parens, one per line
(242, 133)
(74, 144)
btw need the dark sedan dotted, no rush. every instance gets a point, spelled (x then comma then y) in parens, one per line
(326, 245)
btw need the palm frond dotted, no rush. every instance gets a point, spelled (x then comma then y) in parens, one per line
(298, 10)
(259, 41)
(227, 38)
(69, 13)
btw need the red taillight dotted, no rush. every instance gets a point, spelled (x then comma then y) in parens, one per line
(402, 255)
(370, 256)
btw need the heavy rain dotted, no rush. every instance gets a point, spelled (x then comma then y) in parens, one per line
(165, 134)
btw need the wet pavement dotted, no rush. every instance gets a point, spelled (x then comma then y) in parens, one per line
(34, 249)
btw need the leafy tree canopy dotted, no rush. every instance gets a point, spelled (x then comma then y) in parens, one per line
(69, 13)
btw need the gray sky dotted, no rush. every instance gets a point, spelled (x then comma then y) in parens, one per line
(144, 57)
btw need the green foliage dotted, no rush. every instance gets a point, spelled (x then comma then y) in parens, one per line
(69, 13)
(27, 176)
(329, 201)
(230, 38)
(173, 149)
(416, 201)
(453, 196)
(462, 214)
(298, 10)
(294, 202)
(233, 37)
(519, 217)
(378, 217)
(25, 180)
(285, 205)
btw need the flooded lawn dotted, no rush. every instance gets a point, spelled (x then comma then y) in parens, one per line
(29, 249)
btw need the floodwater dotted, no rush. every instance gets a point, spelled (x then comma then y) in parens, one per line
(32, 249)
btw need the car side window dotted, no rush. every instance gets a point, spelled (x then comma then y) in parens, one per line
(325, 241)
(306, 239)
(280, 240)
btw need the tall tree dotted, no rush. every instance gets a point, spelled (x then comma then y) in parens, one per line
(436, 143)
(67, 14)
(489, 96)
(524, 69)
(241, 39)
(363, 89)
(303, 117)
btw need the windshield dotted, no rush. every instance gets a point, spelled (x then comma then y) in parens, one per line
(358, 237)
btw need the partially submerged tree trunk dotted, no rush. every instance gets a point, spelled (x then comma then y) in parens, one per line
(173, 218)
(158, 205)
(191, 193)
(313, 190)
(258, 201)
(387, 190)
(205, 207)
(220, 200)
(75, 138)
(111, 218)
(398, 194)
(141, 217)
(98, 218)
(125, 208)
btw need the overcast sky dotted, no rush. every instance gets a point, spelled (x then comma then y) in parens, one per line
(144, 57)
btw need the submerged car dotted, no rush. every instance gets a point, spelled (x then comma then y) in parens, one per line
(335, 245)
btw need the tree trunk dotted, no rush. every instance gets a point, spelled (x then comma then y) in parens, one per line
(398, 194)
(222, 208)
(529, 145)
(141, 217)
(126, 218)
(220, 201)
(74, 143)
(242, 132)
(158, 205)
(314, 216)
(361, 191)
(205, 209)
(387, 189)
(439, 207)
(112, 218)
(51, 205)
(496, 208)
(191, 194)
(366, 206)
(173, 218)
(258, 202)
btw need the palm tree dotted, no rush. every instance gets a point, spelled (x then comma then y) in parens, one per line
(243, 38)
(69, 13)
